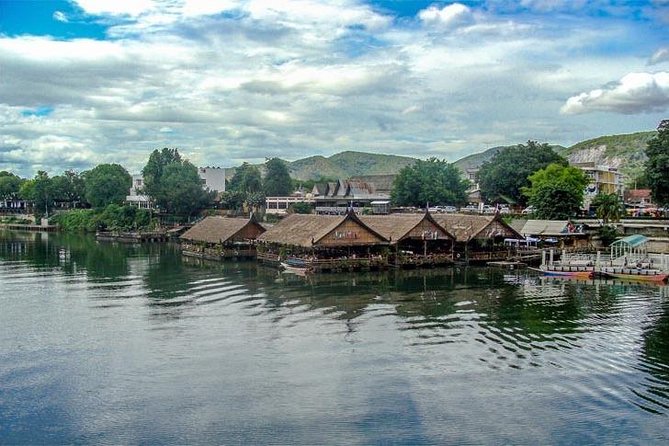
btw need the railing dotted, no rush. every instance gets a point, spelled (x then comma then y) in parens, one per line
(335, 210)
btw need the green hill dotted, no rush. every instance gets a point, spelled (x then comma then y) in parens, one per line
(347, 164)
(624, 152)
(475, 160)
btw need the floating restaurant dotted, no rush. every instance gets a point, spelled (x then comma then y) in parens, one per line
(478, 238)
(323, 243)
(351, 242)
(218, 238)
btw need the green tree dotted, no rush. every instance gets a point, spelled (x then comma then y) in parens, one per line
(246, 179)
(70, 188)
(107, 184)
(152, 173)
(9, 185)
(556, 192)
(181, 191)
(506, 174)
(609, 207)
(301, 208)
(277, 179)
(657, 166)
(431, 181)
(40, 191)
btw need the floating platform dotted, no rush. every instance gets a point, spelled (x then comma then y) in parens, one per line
(507, 264)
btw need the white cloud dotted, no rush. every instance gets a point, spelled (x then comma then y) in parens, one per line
(60, 16)
(660, 56)
(450, 16)
(634, 93)
(132, 8)
(300, 77)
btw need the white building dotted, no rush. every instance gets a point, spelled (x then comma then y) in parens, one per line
(603, 180)
(135, 197)
(213, 178)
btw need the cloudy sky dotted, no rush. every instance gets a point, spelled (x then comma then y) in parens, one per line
(84, 82)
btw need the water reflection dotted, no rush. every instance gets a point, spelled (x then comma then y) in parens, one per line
(400, 356)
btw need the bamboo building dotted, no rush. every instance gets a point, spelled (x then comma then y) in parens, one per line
(218, 238)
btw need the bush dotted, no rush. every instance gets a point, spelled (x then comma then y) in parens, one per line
(113, 217)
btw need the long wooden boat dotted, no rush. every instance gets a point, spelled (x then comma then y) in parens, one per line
(296, 266)
(560, 272)
(642, 275)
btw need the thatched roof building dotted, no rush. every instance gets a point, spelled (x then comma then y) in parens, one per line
(467, 227)
(310, 230)
(224, 230)
(398, 227)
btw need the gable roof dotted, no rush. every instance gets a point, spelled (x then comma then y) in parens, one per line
(466, 227)
(379, 183)
(307, 230)
(218, 229)
(395, 227)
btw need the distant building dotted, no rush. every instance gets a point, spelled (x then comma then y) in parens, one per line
(336, 198)
(213, 178)
(603, 180)
(135, 196)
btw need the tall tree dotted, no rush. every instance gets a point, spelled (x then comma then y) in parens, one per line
(431, 181)
(609, 207)
(153, 171)
(107, 184)
(181, 191)
(246, 179)
(657, 166)
(9, 185)
(173, 183)
(70, 188)
(505, 175)
(277, 179)
(40, 191)
(557, 191)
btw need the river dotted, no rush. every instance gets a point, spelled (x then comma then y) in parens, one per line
(108, 344)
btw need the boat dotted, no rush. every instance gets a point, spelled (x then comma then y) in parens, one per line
(565, 271)
(296, 266)
(638, 274)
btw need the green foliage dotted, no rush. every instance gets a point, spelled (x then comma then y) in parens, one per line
(181, 190)
(153, 171)
(246, 179)
(277, 180)
(657, 166)
(112, 218)
(609, 207)
(556, 192)
(506, 174)
(607, 234)
(432, 181)
(40, 191)
(174, 184)
(9, 185)
(107, 184)
(70, 188)
(232, 199)
(301, 208)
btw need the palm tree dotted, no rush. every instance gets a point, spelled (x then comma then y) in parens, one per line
(609, 207)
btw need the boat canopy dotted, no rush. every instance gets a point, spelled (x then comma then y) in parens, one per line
(632, 241)
(630, 247)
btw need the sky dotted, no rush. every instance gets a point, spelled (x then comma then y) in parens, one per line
(84, 82)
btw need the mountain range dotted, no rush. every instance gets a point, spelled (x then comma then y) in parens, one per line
(624, 152)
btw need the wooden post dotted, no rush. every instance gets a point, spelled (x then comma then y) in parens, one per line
(550, 257)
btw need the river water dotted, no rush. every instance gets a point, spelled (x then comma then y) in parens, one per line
(101, 343)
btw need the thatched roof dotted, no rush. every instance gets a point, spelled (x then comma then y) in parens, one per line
(396, 227)
(218, 229)
(379, 183)
(307, 229)
(466, 227)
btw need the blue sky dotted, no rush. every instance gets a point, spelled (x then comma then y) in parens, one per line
(89, 81)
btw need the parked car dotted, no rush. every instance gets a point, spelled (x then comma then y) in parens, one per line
(487, 209)
(470, 209)
(450, 209)
(528, 210)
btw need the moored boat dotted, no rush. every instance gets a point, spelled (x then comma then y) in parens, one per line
(565, 271)
(644, 275)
